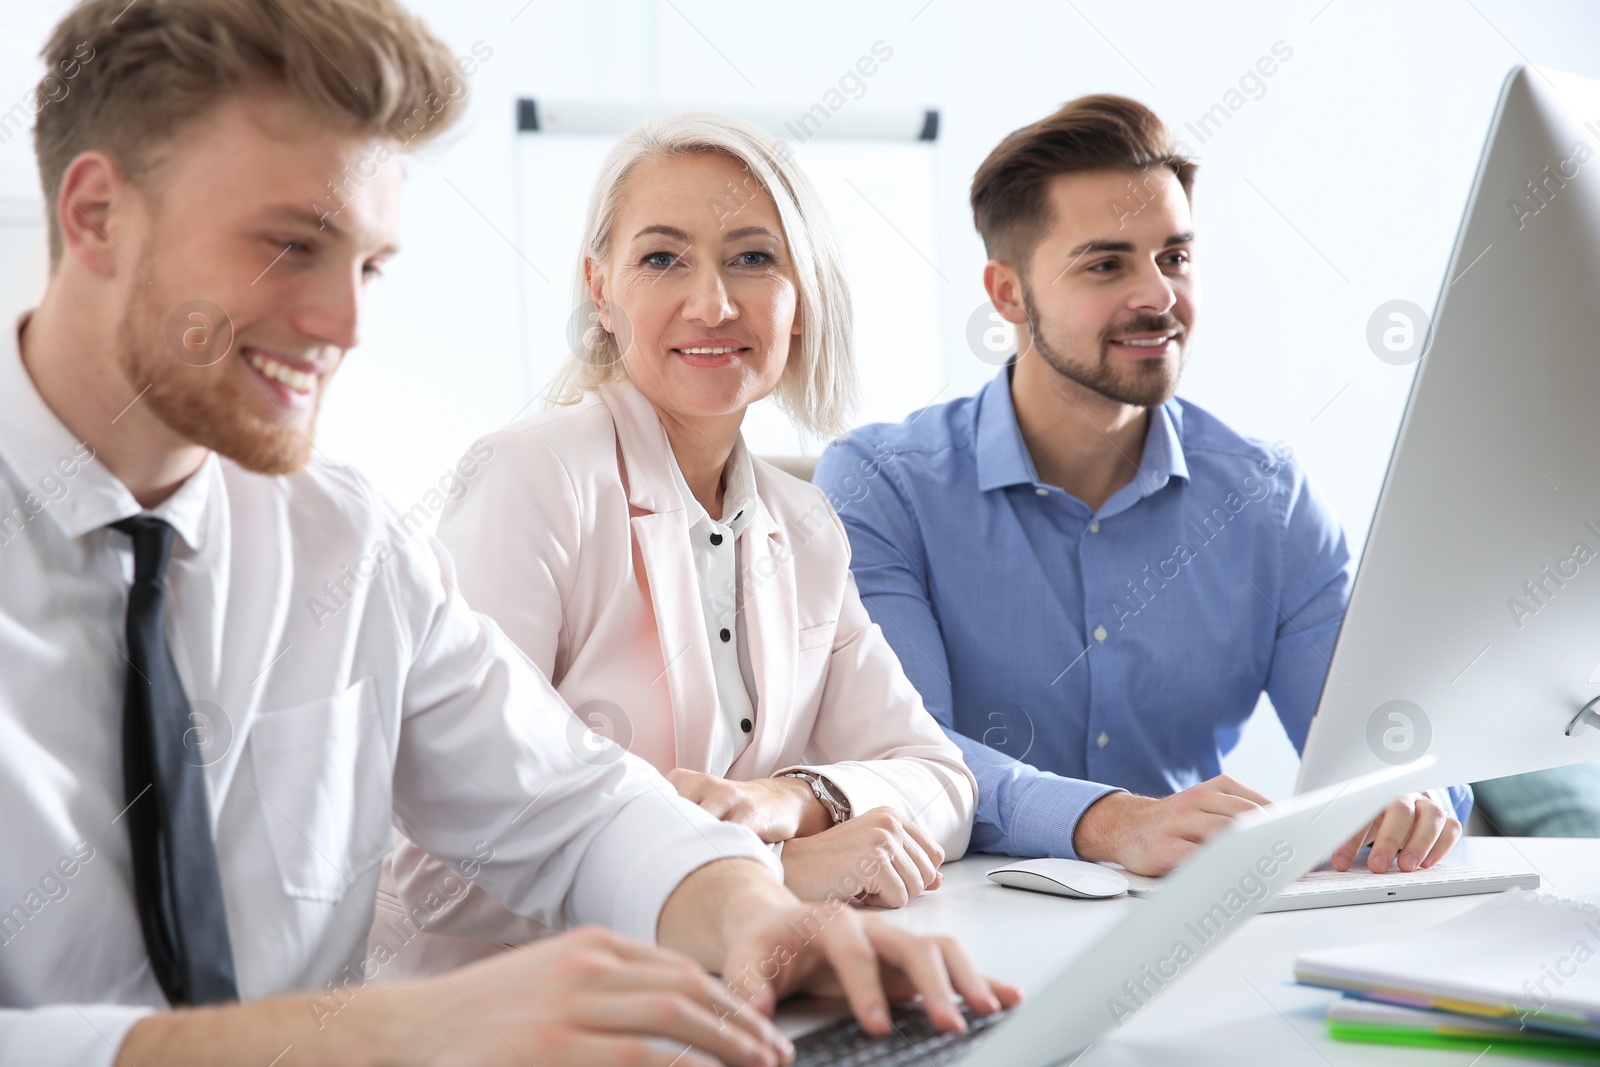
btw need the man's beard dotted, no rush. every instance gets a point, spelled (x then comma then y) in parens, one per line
(1149, 383)
(209, 406)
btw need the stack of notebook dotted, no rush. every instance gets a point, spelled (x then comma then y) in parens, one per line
(1521, 971)
(1353, 1019)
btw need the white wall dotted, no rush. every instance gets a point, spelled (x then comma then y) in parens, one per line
(1337, 190)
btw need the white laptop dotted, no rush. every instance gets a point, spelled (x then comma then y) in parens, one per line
(1236, 874)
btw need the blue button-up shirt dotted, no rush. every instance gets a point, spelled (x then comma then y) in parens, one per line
(1072, 651)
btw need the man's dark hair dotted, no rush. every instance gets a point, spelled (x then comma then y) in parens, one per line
(1011, 191)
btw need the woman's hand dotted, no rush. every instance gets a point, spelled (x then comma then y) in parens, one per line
(777, 809)
(877, 857)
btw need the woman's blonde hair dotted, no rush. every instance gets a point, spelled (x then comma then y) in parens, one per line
(818, 384)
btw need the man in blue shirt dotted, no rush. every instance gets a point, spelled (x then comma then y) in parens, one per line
(1090, 582)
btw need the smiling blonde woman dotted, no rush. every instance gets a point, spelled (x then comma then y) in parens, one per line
(688, 599)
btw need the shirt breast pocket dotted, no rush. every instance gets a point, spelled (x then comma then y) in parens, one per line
(323, 773)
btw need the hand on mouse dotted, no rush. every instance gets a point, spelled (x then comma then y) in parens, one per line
(1149, 835)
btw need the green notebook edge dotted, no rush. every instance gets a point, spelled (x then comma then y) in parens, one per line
(1542, 1046)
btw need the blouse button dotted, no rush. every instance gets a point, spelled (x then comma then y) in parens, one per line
(716, 539)
(725, 635)
(744, 724)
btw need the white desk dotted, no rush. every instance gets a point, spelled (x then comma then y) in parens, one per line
(1238, 1004)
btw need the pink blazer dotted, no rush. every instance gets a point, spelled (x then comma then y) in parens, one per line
(577, 508)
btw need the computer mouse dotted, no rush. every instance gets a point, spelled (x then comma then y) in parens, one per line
(1064, 878)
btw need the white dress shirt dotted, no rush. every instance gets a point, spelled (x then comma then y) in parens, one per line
(718, 560)
(339, 685)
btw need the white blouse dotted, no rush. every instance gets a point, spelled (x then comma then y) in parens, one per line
(717, 556)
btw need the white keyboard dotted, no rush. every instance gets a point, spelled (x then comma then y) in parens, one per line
(1328, 888)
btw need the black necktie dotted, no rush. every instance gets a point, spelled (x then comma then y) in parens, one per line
(169, 818)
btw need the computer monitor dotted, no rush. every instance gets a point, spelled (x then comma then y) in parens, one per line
(1473, 631)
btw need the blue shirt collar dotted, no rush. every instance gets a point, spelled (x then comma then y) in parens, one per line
(1003, 459)
(1163, 457)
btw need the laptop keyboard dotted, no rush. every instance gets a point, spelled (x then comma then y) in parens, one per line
(915, 1041)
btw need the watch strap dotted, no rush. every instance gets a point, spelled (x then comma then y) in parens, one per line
(832, 799)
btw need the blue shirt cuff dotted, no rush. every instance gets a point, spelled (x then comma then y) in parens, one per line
(1037, 815)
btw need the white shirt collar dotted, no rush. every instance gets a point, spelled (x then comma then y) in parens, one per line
(34, 443)
(738, 491)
